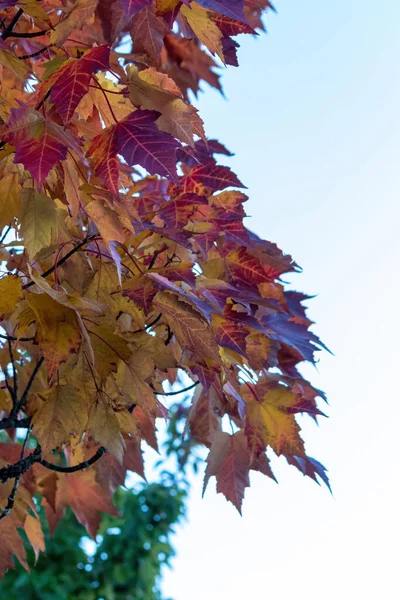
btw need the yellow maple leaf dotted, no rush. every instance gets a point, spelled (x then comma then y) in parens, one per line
(268, 423)
(10, 199)
(10, 292)
(57, 330)
(204, 28)
(150, 90)
(38, 220)
(62, 415)
(34, 533)
(105, 428)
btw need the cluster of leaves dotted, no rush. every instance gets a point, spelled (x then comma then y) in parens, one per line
(130, 553)
(126, 262)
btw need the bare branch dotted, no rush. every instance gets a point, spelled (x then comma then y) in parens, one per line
(11, 497)
(15, 339)
(34, 54)
(13, 423)
(79, 467)
(9, 29)
(24, 396)
(15, 378)
(190, 387)
(61, 261)
(21, 467)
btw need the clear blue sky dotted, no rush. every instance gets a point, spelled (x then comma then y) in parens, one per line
(313, 116)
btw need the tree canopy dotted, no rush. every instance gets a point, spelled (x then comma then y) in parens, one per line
(126, 264)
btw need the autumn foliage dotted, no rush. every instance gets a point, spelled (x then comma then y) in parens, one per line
(125, 262)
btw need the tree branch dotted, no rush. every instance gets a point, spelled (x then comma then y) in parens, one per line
(61, 261)
(24, 396)
(79, 467)
(34, 54)
(11, 497)
(5, 234)
(14, 394)
(15, 339)
(190, 387)
(13, 423)
(9, 29)
(21, 467)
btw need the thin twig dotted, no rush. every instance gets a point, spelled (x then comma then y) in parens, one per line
(169, 336)
(15, 379)
(149, 325)
(190, 387)
(5, 234)
(28, 35)
(24, 396)
(34, 54)
(15, 339)
(61, 261)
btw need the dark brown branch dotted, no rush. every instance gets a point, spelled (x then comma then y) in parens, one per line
(21, 467)
(15, 339)
(13, 423)
(43, 100)
(11, 497)
(14, 394)
(28, 35)
(169, 336)
(149, 325)
(79, 467)
(9, 29)
(24, 396)
(61, 261)
(5, 234)
(190, 387)
(34, 54)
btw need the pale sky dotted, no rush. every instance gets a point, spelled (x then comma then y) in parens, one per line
(313, 117)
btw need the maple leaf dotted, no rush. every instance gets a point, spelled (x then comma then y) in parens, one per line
(57, 330)
(140, 142)
(38, 220)
(230, 8)
(61, 416)
(86, 498)
(204, 28)
(203, 418)
(10, 292)
(11, 544)
(10, 199)
(79, 15)
(150, 90)
(34, 533)
(269, 423)
(203, 178)
(39, 142)
(70, 82)
(147, 32)
(105, 428)
(189, 326)
(131, 7)
(229, 462)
